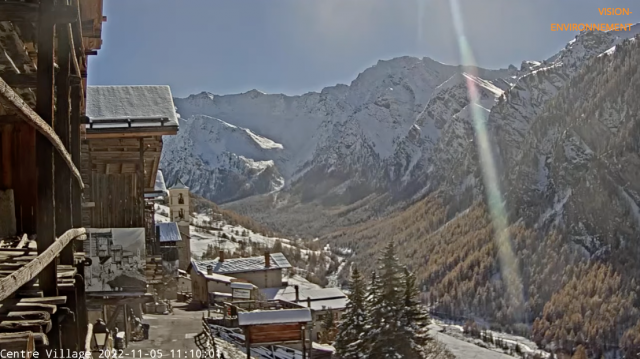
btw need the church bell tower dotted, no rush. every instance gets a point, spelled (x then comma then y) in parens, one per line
(179, 213)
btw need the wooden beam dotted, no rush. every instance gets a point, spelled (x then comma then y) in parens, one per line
(36, 121)
(62, 180)
(22, 276)
(19, 11)
(76, 191)
(22, 324)
(141, 183)
(21, 339)
(26, 315)
(87, 340)
(119, 133)
(7, 146)
(81, 297)
(154, 171)
(21, 80)
(46, 272)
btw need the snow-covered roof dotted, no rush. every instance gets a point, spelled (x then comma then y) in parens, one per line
(274, 316)
(324, 347)
(201, 268)
(242, 285)
(250, 264)
(270, 293)
(160, 184)
(179, 185)
(321, 299)
(169, 232)
(130, 102)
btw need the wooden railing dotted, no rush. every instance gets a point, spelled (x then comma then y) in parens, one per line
(20, 277)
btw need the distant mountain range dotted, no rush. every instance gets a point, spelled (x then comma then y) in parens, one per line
(401, 129)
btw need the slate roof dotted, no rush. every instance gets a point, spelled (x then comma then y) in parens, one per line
(169, 232)
(130, 102)
(241, 265)
(274, 316)
(201, 268)
(179, 185)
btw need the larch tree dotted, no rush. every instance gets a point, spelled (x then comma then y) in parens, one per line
(350, 342)
(580, 353)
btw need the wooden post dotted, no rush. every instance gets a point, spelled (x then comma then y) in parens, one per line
(44, 160)
(304, 343)
(81, 314)
(70, 324)
(76, 194)
(141, 188)
(61, 125)
(126, 326)
(7, 163)
(247, 342)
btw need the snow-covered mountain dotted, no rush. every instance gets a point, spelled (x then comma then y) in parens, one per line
(221, 161)
(352, 133)
(402, 128)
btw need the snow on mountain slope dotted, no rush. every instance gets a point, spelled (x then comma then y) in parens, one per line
(220, 160)
(402, 128)
(344, 133)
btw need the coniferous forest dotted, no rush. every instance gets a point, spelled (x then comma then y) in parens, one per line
(384, 318)
(575, 267)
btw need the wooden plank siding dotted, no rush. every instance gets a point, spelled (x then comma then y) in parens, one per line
(118, 201)
(109, 168)
(18, 172)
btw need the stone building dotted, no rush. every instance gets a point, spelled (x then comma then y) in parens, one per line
(179, 213)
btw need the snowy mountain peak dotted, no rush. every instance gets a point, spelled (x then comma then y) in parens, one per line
(388, 123)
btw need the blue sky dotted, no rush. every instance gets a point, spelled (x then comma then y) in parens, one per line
(296, 46)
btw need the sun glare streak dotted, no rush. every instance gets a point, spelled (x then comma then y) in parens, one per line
(508, 267)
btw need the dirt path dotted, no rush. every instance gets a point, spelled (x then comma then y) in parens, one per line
(170, 336)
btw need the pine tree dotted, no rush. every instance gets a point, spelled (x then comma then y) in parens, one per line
(328, 328)
(385, 309)
(349, 343)
(414, 319)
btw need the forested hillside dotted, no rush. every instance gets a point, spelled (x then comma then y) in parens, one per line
(574, 233)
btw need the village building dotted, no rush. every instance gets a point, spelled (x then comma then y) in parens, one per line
(120, 159)
(218, 275)
(321, 302)
(179, 213)
(168, 238)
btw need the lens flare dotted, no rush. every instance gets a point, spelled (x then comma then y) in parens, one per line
(508, 265)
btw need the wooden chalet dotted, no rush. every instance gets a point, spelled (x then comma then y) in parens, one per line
(120, 158)
(121, 154)
(43, 68)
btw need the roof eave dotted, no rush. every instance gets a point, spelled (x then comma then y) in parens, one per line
(125, 132)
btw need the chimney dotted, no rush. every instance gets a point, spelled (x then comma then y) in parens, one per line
(267, 259)
(220, 256)
(309, 302)
(209, 270)
(297, 288)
